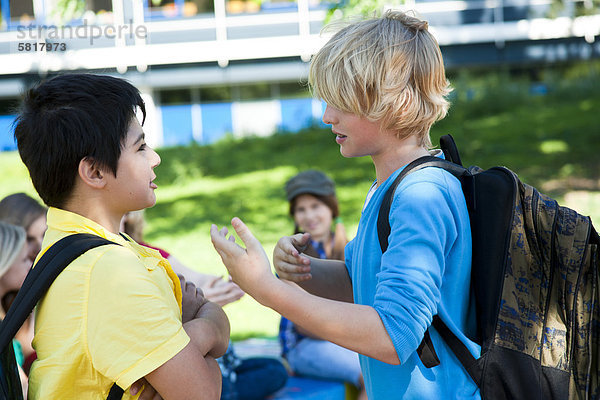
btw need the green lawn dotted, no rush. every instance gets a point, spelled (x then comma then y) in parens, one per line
(552, 142)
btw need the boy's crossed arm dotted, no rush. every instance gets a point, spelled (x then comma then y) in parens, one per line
(199, 314)
(194, 373)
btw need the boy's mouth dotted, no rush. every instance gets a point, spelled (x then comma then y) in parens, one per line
(339, 138)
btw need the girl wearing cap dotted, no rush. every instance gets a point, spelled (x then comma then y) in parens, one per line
(14, 266)
(314, 208)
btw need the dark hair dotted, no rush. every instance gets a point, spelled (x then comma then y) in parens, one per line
(330, 201)
(69, 118)
(20, 209)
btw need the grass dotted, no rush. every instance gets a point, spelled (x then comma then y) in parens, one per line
(551, 141)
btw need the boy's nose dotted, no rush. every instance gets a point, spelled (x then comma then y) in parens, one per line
(156, 159)
(329, 116)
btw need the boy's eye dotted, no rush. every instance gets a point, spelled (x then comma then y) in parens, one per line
(142, 147)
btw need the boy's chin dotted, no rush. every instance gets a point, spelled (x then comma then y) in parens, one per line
(151, 202)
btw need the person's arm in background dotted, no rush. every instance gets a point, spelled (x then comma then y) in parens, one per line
(215, 288)
(24, 381)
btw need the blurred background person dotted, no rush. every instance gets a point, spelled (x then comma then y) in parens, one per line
(14, 266)
(315, 210)
(252, 378)
(22, 210)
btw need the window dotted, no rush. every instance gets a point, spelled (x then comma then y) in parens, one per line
(175, 96)
(256, 91)
(215, 94)
(21, 11)
(99, 6)
(8, 106)
(288, 90)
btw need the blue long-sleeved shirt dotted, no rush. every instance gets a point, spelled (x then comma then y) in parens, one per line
(425, 271)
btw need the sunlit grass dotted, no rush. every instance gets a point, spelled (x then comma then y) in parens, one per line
(551, 142)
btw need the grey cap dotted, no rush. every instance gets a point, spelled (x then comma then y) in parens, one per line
(309, 182)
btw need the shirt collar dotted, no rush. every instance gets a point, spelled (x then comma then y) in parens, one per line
(62, 222)
(70, 222)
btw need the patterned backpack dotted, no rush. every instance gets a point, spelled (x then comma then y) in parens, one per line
(535, 282)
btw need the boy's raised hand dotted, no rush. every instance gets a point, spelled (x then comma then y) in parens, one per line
(289, 263)
(248, 267)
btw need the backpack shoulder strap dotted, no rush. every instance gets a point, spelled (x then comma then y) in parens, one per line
(383, 219)
(450, 150)
(39, 280)
(425, 350)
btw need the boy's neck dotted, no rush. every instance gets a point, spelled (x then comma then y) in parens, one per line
(397, 156)
(95, 210)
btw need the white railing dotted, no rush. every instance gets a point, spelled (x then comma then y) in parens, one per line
(214, 39)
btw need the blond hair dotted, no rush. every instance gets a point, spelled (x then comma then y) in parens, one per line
(12, 240)
(387, 69)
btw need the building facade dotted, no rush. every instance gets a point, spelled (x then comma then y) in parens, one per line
(212, 68)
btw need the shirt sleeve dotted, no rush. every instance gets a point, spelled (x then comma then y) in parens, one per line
(408, 284)
(348, 253)
(133, 318)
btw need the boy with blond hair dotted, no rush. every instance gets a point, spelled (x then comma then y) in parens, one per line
(384, 84)
(118, 313)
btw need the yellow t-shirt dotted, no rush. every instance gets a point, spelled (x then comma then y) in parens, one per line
(113, 315)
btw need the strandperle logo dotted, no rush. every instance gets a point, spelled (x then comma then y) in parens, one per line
(84, 31)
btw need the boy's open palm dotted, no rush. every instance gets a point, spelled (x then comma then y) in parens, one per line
(249, 267)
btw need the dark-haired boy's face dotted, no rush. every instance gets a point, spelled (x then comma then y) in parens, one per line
(133, 187)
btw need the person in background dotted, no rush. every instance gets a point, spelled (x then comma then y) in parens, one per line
(215, 288)
(253, 378)
(23, 210)
(14, 266)
(314, 209)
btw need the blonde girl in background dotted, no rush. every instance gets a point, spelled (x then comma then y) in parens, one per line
(22, 210)
(14, 266)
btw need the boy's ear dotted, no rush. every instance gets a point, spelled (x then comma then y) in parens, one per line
(91, 174)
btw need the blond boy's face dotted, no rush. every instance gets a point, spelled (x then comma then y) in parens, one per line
(357, 136)
(133, 187)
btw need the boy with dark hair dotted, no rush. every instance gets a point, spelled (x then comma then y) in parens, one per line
(384, 84)
(116, 313)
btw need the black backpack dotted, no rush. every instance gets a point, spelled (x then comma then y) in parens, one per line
(535, 282)
(36, 284)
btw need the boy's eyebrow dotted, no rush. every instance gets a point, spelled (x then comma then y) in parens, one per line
(140, 138)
